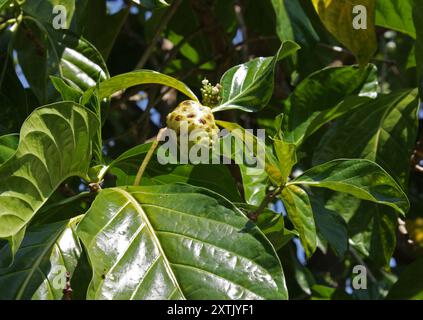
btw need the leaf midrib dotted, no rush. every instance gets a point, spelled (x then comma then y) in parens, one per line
(166, 261)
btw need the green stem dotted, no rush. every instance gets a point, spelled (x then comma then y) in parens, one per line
(148, 157)
(264, 204)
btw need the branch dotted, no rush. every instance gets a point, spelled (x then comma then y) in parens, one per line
(265, 203)
(168, 16)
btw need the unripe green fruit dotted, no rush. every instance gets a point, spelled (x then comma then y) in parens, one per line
(198, 118)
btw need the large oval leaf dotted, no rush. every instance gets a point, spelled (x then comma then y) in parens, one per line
(40, 266)
(176, 242)
(382, 130)
(217, 177)
(249, 86)
(298, 207)
(321, 97)
(55, 144)
(339, 17)
(396, 15)
(360, 178)
(127, 80)
(60, 53)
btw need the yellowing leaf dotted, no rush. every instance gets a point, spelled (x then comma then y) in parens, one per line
(415, 228)
(351, 22)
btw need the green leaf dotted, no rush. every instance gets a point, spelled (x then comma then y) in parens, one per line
(255, 183)
(178, 242)
(396, 15)
(387, 133)
(382, 130)
(249, 86)
(40, 266)
(43, 10)
(361, 178)
(67, 92)
(292, 23)
(151, 4)
(81, 65)
(331, 226)
(57, 53)
(217, 178)
(339, 17)
(322, 97)
(287, 156)
(298, 207)
(55, 144)
(8, 146)
(271, 224)
(410, 283)
(254, 146)
(3, 3)
(127, 80)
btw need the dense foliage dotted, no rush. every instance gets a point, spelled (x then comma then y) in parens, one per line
(87, 211)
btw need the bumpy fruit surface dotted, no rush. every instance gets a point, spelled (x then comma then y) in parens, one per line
(198, 119)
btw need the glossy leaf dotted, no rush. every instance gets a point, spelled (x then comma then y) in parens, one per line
(81, 65)
(176, 242)
(40, 266)
(387, 133)
(249, 86)
(322, 97)
(383, 130)
(3, 3)
(214, 177)
(67, 92)
(348, 27)
(361, 178)
(127, 80)
(287, 156)
(292, 23)
(58, 53)
(255, 147)
(396, 15)
(151, 4)
(255, 183)
(8, 146)
(298, 207)
(55, 144)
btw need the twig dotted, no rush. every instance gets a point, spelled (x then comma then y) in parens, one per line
(269, 198)
(162, 26)
(347, 52)
(181, 43)
(417, 156)
(243, 27)
(67, 291)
